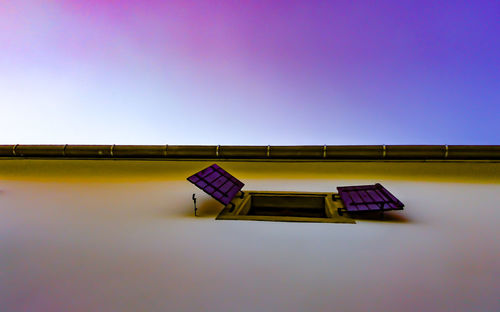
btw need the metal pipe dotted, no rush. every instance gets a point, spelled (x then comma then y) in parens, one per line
(311, 152)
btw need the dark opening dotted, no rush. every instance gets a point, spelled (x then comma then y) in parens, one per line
(288, 206)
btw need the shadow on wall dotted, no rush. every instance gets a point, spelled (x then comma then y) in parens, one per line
(210, 209)
(207, 208)
(393, 217)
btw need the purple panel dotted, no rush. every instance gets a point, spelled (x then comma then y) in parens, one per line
(217, 182)
(234, 190)
(209, 189)
(211, 177)
(393, 198)
(375, 195)
(201, 184)
(205, 172)
(388, 201)
(220, 181)
(368, 197)
(217, 194)
(226, 187)
(358, 201)
(346, 199)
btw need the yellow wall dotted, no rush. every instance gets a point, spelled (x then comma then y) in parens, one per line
(105, 235)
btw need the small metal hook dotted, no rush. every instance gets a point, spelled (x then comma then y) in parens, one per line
(195, 209)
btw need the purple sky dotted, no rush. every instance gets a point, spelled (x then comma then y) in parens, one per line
(250, 72)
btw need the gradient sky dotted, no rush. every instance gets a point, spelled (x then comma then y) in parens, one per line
(249, 72)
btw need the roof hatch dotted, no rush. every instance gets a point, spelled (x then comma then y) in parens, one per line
(291, 206)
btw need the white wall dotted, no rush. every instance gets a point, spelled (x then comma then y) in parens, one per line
(120, 236)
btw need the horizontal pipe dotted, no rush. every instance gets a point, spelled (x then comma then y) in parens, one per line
(139, 151)
(296, 152)
(416, 151)
(355, 152)
(191, 151)
(242, 152)
(312, 152)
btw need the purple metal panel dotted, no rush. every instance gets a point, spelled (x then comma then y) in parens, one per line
(217, 183)
(393, 198)
(363, 198)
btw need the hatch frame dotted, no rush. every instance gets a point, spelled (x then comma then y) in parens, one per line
(241, 207)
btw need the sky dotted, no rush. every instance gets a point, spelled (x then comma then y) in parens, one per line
(249, 72)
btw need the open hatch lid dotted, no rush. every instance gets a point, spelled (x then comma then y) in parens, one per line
(362, 198)
(217, 183)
